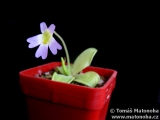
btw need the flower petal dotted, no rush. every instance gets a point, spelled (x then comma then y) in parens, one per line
(34, 41)
(45, 52)
(42, 51)
(52, 28)
(34, 38)
(54, 45)
(43, 27)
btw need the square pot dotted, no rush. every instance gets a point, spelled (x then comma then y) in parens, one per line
(51, 100)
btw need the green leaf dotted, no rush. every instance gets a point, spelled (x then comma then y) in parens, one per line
(64, 68)
(62, 78)
(83, 60)
(90, 79)
(61, 70)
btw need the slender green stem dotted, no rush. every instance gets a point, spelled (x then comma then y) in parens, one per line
(66, 51)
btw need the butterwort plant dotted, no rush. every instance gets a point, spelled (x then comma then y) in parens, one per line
(67, 72)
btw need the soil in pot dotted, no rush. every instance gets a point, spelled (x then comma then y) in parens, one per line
(48, 75)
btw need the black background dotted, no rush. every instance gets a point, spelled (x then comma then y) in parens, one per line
(125, 39)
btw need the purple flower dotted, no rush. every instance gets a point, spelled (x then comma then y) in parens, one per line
(45, 40)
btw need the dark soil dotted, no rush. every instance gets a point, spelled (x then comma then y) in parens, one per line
(48, 75)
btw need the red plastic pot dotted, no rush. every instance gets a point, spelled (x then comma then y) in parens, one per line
(51, 100)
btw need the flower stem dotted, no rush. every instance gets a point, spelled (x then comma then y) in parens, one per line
(66, 51)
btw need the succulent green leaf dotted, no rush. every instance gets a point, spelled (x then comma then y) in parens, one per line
(90, 79)
(83, 60)
(62, 78)
(60, 69)
(65, 69)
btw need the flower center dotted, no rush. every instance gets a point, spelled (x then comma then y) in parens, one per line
(46, 37)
